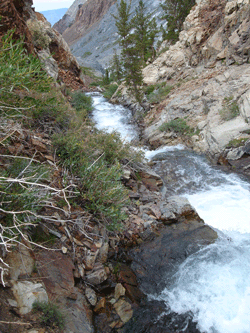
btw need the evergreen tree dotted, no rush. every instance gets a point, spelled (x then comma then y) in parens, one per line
(132, 62)
(145, 31)
(137, 36)
(175, 12)
(116, 68)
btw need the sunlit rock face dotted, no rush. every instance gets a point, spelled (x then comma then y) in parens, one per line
(91, 32)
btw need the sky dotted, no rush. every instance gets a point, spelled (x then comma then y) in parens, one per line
(41, 5)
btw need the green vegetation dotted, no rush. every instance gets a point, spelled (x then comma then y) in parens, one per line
(157, 93)
(175, 13)
(110, 90)
(235, 143)
(230, 109)
(29, 100)
(86, 54)
(137, 36)
(51, 315)
(82, 103)
(178, 125)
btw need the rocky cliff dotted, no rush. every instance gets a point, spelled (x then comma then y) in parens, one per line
(40, 39)
(209, 73)
(69, 16)
(92, 35)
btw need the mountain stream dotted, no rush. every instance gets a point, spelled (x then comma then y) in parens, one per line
(212, 286)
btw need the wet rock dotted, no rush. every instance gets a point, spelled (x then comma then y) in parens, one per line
(124, 310)
(27, 293)
(119, 291)
(155, 261)
(175, 207)
(91, 296)
(126, 275)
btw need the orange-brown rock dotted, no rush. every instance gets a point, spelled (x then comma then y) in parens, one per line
(88, 14)
(13, 15)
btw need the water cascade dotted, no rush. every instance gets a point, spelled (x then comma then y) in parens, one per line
(212, 285)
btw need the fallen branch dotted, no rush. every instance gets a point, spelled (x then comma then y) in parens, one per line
(14, 323)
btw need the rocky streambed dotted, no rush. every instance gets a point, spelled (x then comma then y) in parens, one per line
(166, 272)
(188, 261)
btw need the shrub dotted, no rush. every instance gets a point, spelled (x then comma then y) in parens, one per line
(178, 125)
(18, 69)
(230, 109)
(159, 93)
(235, 143)
(110, 90)
(82, 102)
(51, 315)
(94, 157)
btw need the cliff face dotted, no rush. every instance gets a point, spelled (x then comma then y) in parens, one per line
(88, 14)
(69, 16)
(92, 36)
(209, 71)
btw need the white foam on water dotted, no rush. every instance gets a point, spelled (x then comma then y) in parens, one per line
(110, 117)
(214, 284)
(149, 154)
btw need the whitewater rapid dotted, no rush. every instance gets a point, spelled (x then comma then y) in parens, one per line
(212, 285)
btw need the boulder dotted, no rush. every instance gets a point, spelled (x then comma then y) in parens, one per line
(119, 291)
(155, 261)
(124, 310)
(27, 293)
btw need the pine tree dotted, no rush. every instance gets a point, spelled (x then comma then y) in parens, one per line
(132, 62)
(145, 31)
(175, 12)
(137, 36)
(116, 68)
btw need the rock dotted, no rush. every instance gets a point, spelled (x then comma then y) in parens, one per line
(156, 261)
(103, 253)
(126, 275)
(64, 250)
(101, 305)
(49, 64)
(56, 270)
(27, 293)
(119, 291)
(21, 262)
(98, 276)
(124, 310)
(12, 303)
(175, 207)
(90, 259)
(134, 293)
(91, 296)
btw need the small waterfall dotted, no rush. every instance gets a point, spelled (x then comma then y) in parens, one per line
(212, 286)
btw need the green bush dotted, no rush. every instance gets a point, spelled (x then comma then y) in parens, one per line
(18, 69)
(178, 125)
(230, 109)
(149, 89)
(51, 315)
(110, 90)
(235, 143)
(94, 157)
(82, 102)
(159, 93)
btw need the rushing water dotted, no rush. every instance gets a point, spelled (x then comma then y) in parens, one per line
(112, 117)
(213, 285)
